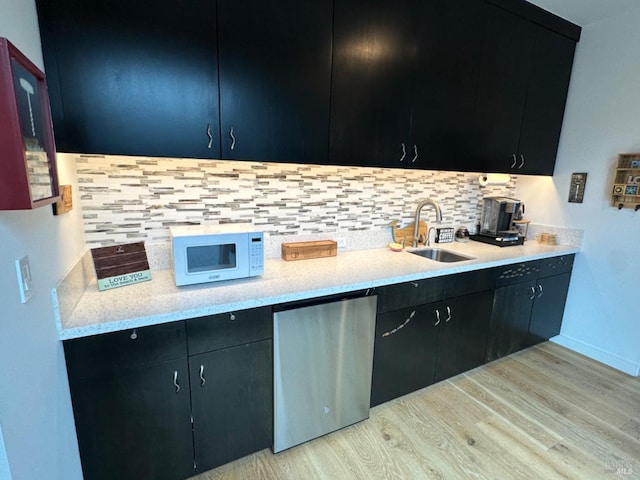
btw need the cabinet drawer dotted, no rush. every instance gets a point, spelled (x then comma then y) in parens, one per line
(213, 332)
(408, 294)
(101, 354)
(470, 282)
(556, 265)
(517, 272)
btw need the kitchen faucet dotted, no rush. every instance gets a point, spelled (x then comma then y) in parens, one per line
(423, 203)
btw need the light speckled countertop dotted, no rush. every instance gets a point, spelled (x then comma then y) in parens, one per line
(159, 300)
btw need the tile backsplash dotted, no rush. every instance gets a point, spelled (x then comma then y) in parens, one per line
(127, 199)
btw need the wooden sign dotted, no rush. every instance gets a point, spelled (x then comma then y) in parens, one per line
(65, 204)
(121, 265)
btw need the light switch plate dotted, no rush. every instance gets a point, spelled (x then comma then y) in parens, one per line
(24, 279)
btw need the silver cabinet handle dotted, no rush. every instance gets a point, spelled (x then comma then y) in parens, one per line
(404, 152)
(232, 316)
(134, 335)
(209, 135)
(515, 160)
(448, 315)
(540, 291)
(175, 381)
(415, 153)
(400, 327)
(233, 139)
(415, 284)
(522, 161)
(202, 379)
(533, 293)
(438, 317)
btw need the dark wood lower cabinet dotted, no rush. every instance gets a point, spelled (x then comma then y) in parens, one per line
(173, 400)
(526, 313)
(510, 319)
(405, 353)
(135, 423)
(419, 345)
(548, 308)
(463, 333)
(232, 401)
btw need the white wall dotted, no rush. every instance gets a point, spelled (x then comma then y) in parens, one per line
(36, 418)
(4, 461)
(601, 120)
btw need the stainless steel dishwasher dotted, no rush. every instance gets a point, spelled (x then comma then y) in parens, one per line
(323, 359)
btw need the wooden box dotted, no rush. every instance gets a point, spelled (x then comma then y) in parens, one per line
(306, 250)
(120, 265)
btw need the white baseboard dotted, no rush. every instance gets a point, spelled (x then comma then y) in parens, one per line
(599, 355)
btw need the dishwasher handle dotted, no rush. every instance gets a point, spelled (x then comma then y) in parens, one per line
(369, 292)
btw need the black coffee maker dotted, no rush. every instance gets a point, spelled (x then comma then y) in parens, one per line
(496, 224)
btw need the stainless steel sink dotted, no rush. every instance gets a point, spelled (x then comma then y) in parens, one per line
(440, 255)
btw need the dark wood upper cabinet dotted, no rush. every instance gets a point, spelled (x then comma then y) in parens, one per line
(551, 64)
(275, 74)
(443, 128)
(404, 82)
(125, 78)
(375, 52)
(522, 91)
(464, 85)
(502, 88)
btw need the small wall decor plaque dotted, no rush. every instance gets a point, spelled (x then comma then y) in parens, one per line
(121, 265)
(65, 204)
(577, 186)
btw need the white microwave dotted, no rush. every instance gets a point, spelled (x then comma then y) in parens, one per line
(210, 253)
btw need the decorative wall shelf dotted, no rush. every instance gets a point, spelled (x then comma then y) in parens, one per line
(28, 175)
(626, 183)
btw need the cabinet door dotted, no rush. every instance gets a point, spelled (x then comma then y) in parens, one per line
(136, 423)
(510, 319)
(551, 62)
(548, 308)
(275, 73)
(232, 399)
(449, 52)
(404, 353)
(502, 88)
(463, 335)
(374, 55)
(127, 78)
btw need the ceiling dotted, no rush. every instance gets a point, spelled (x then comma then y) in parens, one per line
(585, 12)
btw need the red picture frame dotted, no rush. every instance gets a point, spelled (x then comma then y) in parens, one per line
(28, 173)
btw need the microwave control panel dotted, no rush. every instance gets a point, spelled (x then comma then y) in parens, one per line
(256, 254)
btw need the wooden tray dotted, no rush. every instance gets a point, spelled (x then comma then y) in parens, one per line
(306, 250)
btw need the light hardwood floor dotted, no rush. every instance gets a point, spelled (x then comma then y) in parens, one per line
(544, 413)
